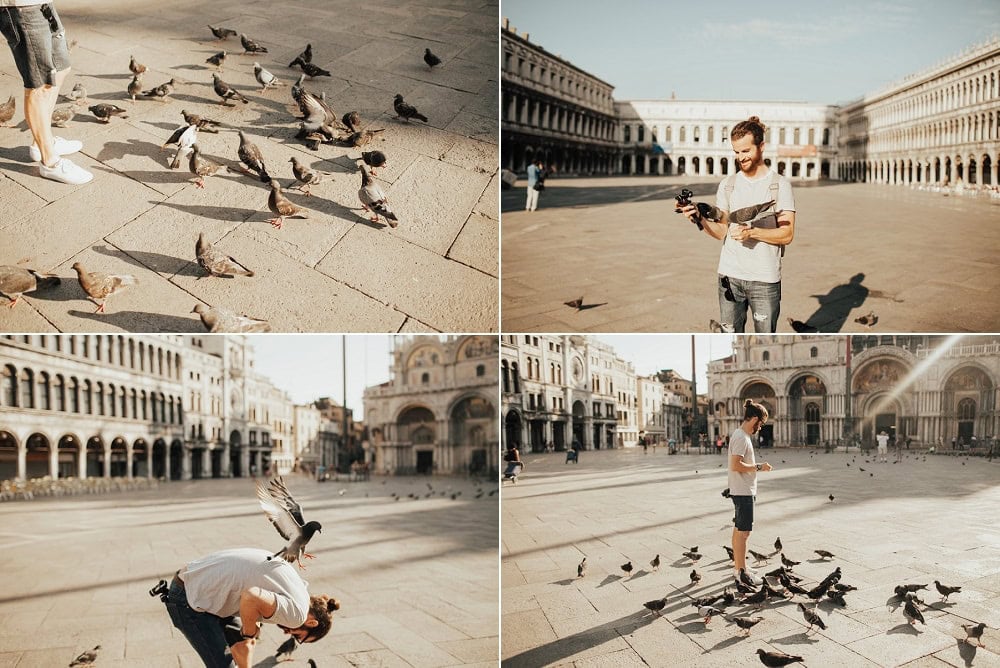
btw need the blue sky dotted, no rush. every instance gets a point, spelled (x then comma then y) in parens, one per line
(821, 52)
(650, 353)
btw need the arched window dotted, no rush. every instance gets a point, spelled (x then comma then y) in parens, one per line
(74, 395)
(111, 401)
(59, 392)
(123, 398)
(812, 413)
(99, 397)
(142, 356)
(44, 392)
(131, 353)
(145, 405)
(505, 376)
(515, 377)
(27, 386)
(967, 409)
(9, 386)
(814, 352)
(88, 404)
(552, 372)
(765, 356)
(480, 370)
(425, 378)
(135, 405)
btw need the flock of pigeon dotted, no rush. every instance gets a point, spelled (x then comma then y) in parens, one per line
(784, 584)
(318, 125)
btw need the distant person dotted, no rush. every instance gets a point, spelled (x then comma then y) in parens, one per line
(514, 464)
(718, 445)
(535, 184)
(37, 40)
(645, 446)
(883, 446)
(754, 217)
(743, 468)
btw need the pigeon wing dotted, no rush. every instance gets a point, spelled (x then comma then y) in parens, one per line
(278, 514)
(15, 280)
(279, 491)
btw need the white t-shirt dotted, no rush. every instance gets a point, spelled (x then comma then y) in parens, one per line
(742, 484)
(753, 260)
(883, 441)
(214, 584)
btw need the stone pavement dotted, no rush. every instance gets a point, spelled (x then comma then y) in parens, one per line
(912, 522)
(417, 580)
(928, 261)
(333, 272)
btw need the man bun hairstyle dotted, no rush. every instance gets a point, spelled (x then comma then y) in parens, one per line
(322, 609)
(750, 126)
(751, 409)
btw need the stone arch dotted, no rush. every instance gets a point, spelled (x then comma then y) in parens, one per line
(140, 458)
(70, 455)
(176, 459)
(95, 457)
(417, 424)
(512, 429)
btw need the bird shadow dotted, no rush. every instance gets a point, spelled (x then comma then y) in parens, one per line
(682, 563)
(142, 321)
(940, 605)
(802, 638)
(156, 261)
(556, 651)
(966, 651)
(638, 574)
(728, 642)
(192, 67)
(906, 629)
(585, 307)
(18, 155)
(567, 581)
(223, 213)
(609, 579)
(146, 176)
(116, 150)
(692, 627)
(106, 76)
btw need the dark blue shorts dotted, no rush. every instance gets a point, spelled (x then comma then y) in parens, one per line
(744, 512)
(38, 41)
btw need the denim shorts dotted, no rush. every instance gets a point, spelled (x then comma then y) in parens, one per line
(744, 512)
(38, 41)
(737, 295)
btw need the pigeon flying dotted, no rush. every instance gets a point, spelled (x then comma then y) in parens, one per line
(406, 111)
(286, 516)
(216, 263)
(777, 659)
(15, 281)
(945, 590)
(430, 58)
(281, 206)
(99, 286)
(867, 320)
(220, 320)
(811, 617)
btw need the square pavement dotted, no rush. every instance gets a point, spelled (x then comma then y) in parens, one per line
(417, 579)
(922, 261)
(912, 522)
(335, 270)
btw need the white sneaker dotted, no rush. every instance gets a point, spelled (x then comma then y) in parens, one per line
(65, 171)
(61, 146)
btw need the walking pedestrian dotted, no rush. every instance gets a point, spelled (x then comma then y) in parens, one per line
(883, 444)
(535, 184)
(37, 40)
(743, 468)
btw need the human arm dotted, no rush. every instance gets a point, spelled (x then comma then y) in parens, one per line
(255, 604)
(737, 464)
(714, 228)
(781, 235)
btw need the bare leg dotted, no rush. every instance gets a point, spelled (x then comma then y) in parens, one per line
(740, 548)
(39, 103)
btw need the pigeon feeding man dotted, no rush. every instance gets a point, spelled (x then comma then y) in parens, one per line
(743, 469)
(754, 218)
(286, 516)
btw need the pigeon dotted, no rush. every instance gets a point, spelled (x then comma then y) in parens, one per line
(801, 327)
(204, 124)
(374, 199)
(406, 111)
(792, 587)
(281, 206)
(217, 59)
(100, 286)
(729, 551)
(223, 33)
(945, 590)
(655, 563)
(819, 591)
(831, 497)
(656, 606)
(201, 167)
(216, 263)
(15, 281)
(581, 568)
(777, 544)
(305, 57)
(837, 597)
(708, 612)
(311, 70)
(135, 86)
(832, 578)
(7, 111)
(867, 320)
(252, 158)
(742, 216)
(265, 78)
(161, 91)
(912, 613)
(362, 137)
(286, 649)
(185, 137)
(374, 159)
(286, 516)
(62, 115)
(352, 120)
(135, 67)
(79, 92)
(901, 590)
(226, 92)
(746, 579)
(747, 623)
(715, 327)
(758, 556)
(431, 59)
(788, 562)
(105, 111)
(910, 596)
(312, 663)
(627, 567)
(756, 599)
(695, 577)
(87, 658)
(974, 631)
(777, 659)
(575, 303)
(811, 617)
(844, 588)
(693, 556)
(304, 175)
(250, 46)
(824, 554)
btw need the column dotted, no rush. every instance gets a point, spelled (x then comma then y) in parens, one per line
(512, 107)
(128, 462)
(22, 460)
(185, 463)
(81, 460)
(107, 459)
(646, 164)
(54, 461)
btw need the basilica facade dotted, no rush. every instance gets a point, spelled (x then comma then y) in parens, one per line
(438, 411)
(932, 390)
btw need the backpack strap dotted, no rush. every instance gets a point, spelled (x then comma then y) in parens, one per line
(773, 191)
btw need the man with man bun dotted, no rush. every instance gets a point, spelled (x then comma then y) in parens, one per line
(743, 468)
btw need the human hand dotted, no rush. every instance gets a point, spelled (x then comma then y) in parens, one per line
(243, 652)
(766, 467)
(739, 232)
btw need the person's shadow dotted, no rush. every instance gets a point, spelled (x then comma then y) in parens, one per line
(836, 305)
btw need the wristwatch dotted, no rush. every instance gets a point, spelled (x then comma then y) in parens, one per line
(255, 634)
(759, 466)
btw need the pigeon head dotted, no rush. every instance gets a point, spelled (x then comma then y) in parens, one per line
(215, 76)
(312, 527)
(398, 98)
(274, 184)
(78, 268)
(199, 309)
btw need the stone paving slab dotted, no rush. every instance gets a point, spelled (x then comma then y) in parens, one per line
(78, 569)
(897, 526)
(617, 242)
(438, 173)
